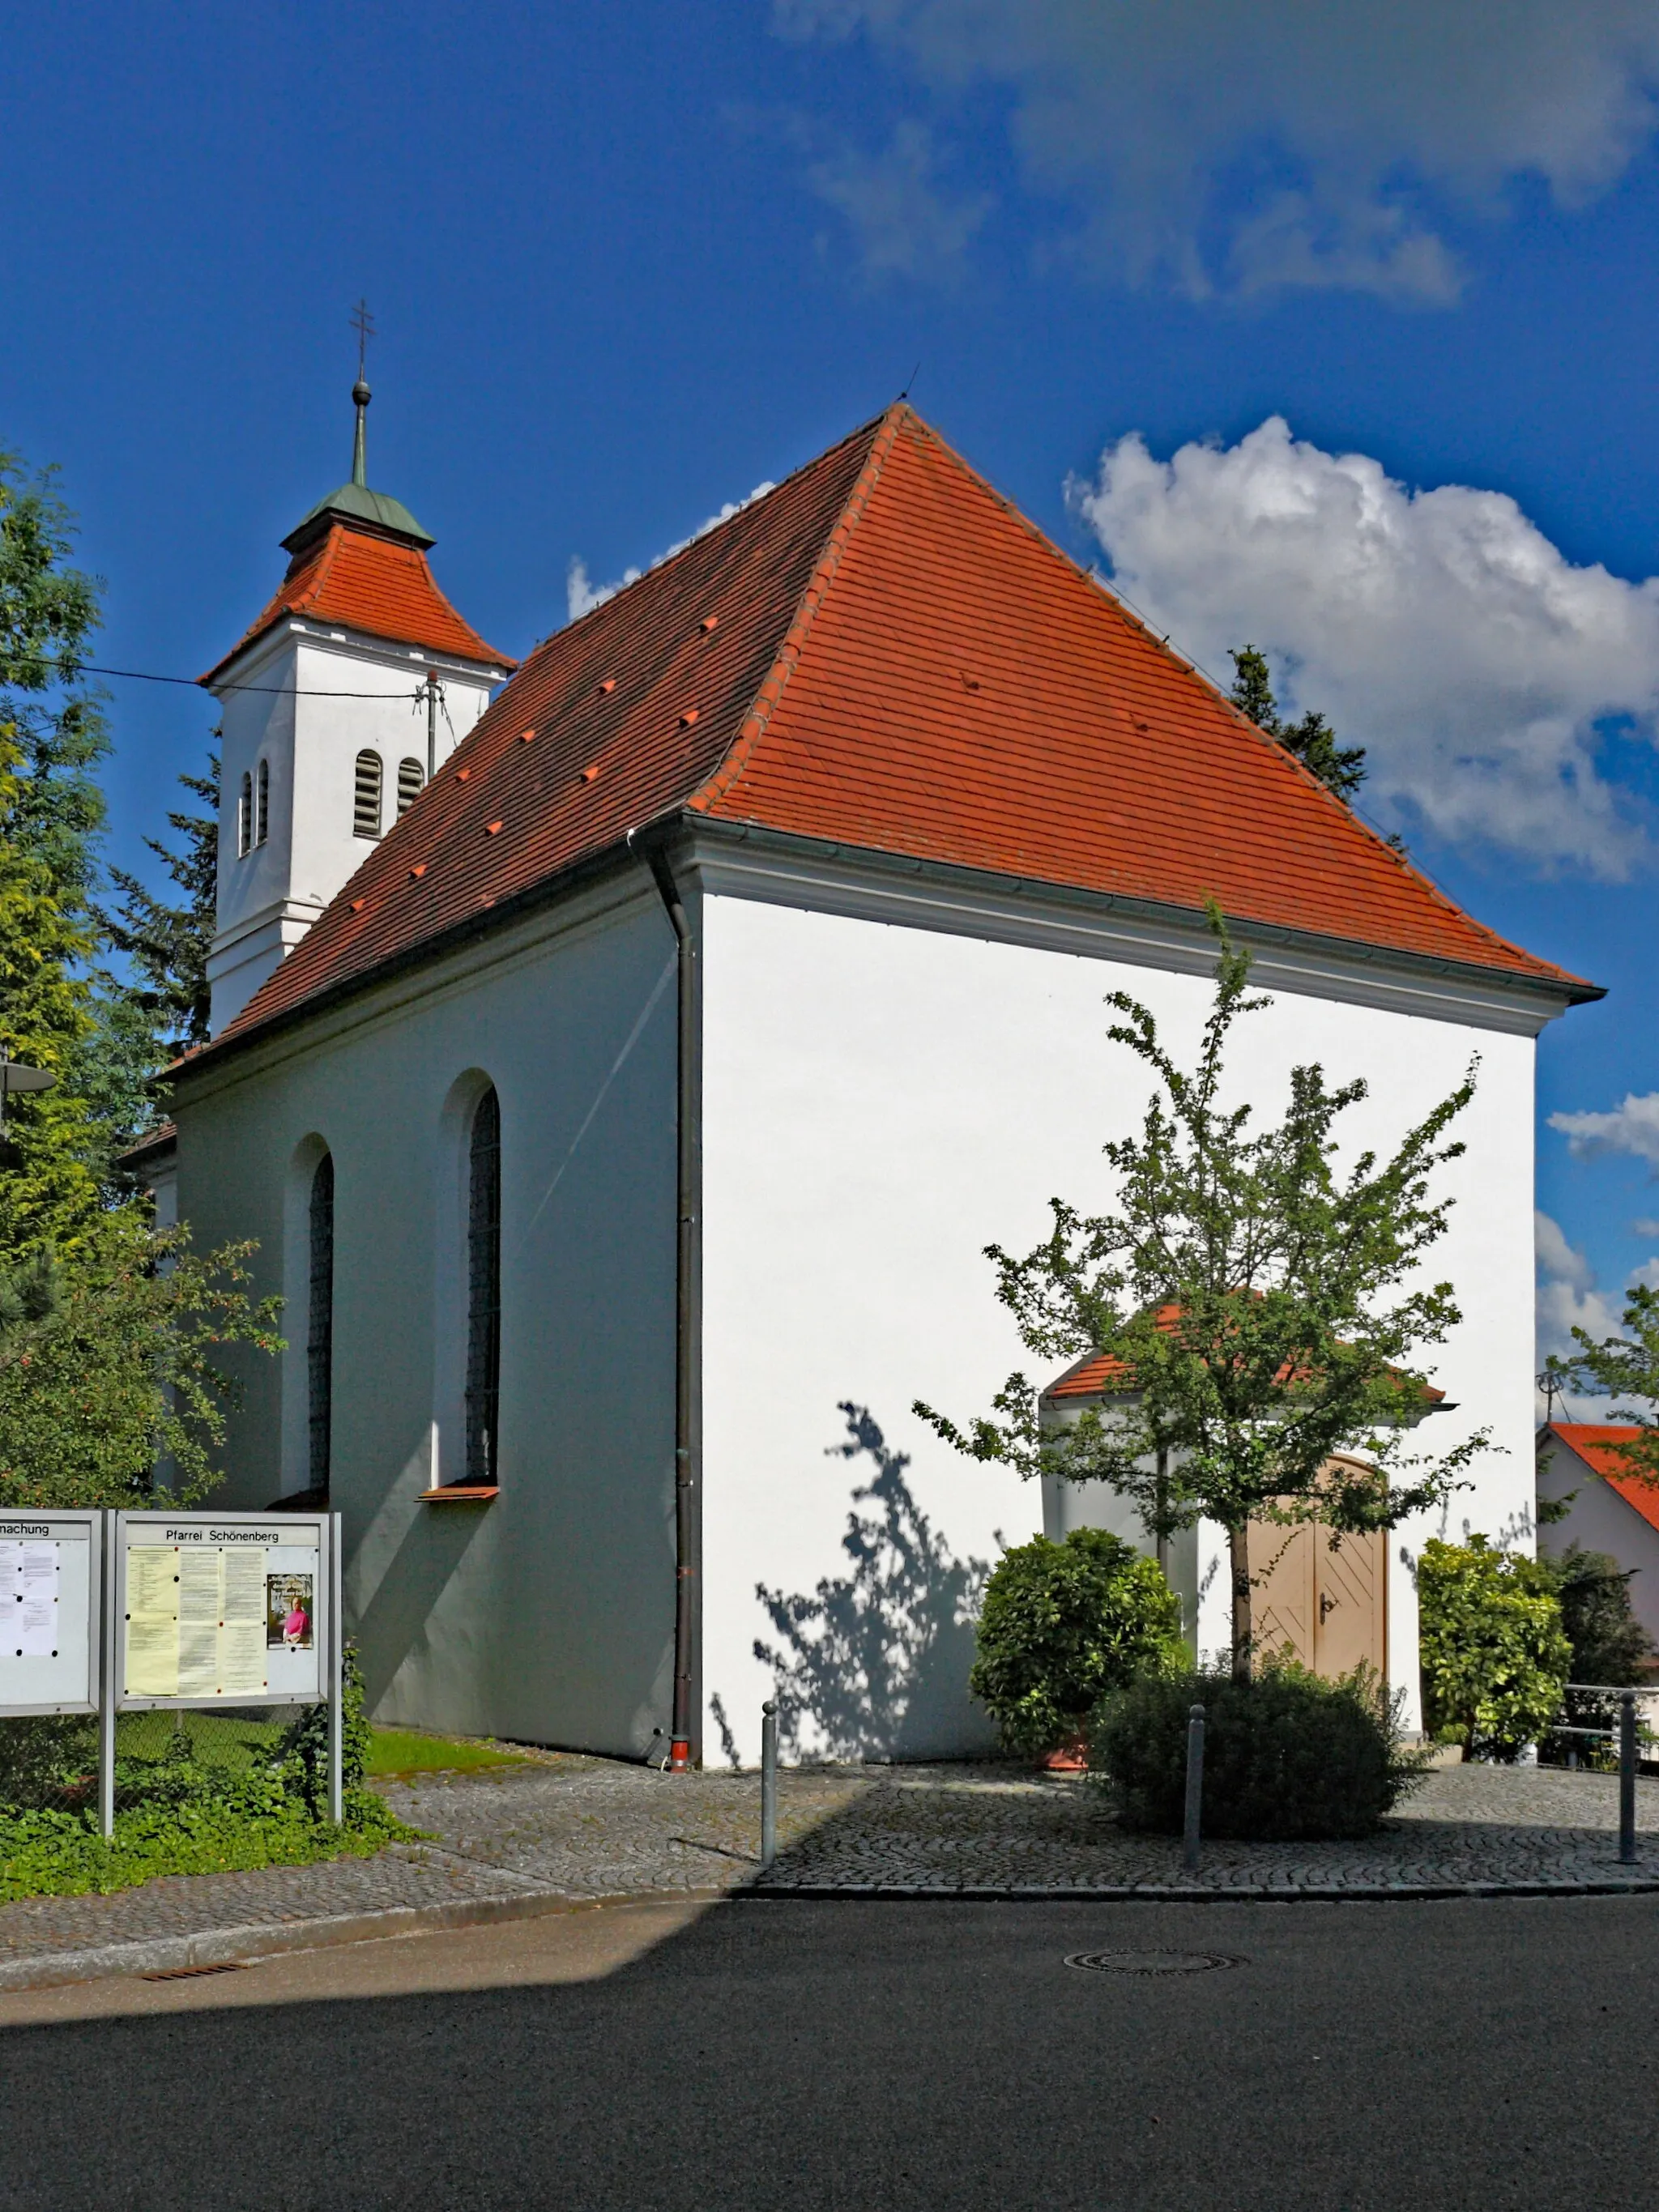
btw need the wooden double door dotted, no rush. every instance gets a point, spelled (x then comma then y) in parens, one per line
(1325, 1597)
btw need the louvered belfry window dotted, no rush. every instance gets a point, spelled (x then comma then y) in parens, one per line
(484, 1290)
(262, 817)
(411, 777)
(319, 1332)
(366, 797)
(245, 816)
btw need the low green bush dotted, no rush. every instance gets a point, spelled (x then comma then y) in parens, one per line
(1494, 1656)
(1287, 1756)
(1060, 1625)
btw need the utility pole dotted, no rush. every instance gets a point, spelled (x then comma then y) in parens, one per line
(433, 696)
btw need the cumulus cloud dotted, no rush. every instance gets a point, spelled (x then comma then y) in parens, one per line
(1245, 144)
(1631, 1126)
(1439, 628)
(582, 595)
(1567, 1294)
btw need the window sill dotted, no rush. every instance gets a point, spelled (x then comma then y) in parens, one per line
(459, 1493)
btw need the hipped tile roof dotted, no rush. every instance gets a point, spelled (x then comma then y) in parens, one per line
(883, 654)
(1597, 1443)
(371, 584)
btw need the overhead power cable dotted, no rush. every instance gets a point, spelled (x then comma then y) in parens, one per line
(271, 690)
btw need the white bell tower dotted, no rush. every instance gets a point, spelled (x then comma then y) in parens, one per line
(354, 683)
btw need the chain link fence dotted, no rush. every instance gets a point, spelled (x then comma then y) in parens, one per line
(161, 1758)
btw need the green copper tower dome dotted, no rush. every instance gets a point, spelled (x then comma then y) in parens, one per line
(354, 503)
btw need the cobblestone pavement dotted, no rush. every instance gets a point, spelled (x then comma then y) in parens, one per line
(579, 1828)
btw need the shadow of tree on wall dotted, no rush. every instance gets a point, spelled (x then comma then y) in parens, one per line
(874, 1664)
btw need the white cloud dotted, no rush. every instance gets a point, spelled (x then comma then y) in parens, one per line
(1633, 1127)
(1439, 628)
(1344, 134)
(582, 595)
(1567, 1298)
(906, 223)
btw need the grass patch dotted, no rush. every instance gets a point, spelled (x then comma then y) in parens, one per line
(254, 1823)
(396, 1752)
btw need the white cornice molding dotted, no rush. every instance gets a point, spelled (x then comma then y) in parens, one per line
(920, 895)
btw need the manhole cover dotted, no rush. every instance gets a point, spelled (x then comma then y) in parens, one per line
(1151, 1962)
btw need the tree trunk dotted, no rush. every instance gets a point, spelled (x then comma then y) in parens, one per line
(1238, 1552)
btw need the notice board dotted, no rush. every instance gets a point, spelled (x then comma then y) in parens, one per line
(50, 1586)
(216, 1609)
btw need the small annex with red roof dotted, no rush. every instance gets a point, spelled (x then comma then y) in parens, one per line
(625, 1117)
(1605, 1502)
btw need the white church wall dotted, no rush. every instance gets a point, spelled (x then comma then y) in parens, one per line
(548, 1613)
(307, 704)
(879, 1103)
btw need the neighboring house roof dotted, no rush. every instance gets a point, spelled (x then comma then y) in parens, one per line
(154, 1145)
(1097, 1371)
(1597, 1443)
(883, 654)
(370, 583)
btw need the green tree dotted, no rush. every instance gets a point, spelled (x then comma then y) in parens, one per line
(1625, 1367)
(112, 1366)
(168, 944)
(1060, 1625)
(1259, 1308)
(1340, 768)
(1494, 1652)
(1609, 1644)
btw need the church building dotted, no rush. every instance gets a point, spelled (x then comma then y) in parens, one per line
(622, 1060)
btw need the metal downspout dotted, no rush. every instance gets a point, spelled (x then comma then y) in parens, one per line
(687, 1520)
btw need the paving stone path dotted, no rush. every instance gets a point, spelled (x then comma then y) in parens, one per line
(566, 1827)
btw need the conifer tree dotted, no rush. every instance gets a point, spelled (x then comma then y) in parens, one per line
(169, 945)
(1340, 768)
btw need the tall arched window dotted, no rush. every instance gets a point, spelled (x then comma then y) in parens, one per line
(484, 1290)
(411, 777)
(366, 797)
(245, 816)
(320, 1334)
(262, 805)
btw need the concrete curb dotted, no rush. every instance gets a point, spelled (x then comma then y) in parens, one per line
(1150, 1893)
(218, 1947)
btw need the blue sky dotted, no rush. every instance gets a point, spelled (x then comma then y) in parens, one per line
(628, 263)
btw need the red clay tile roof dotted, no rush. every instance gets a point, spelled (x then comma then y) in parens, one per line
(901, 662)
(1597, 1443)
(1096, 1370)
(368, 583)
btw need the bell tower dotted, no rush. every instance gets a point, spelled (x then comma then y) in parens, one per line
(339, 702)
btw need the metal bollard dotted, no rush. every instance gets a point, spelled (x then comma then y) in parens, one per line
(769, 1784)
(1627, 1778)
(1189, 1840)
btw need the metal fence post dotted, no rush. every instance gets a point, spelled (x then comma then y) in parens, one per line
(1189, 1841)
(108, 1683)
(334, 1655)
(769, 1784)
(1627, 1778)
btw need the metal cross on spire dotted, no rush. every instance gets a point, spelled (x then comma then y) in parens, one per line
(363, 323)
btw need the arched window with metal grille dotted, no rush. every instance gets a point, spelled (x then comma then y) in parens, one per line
(245, 818)
(319, 1320)
(483, 1291)
(262, 805)
(410, 777)
(366, 797)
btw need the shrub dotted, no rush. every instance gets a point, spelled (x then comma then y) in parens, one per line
(1060, 1625)
(303, 1750)
(1286, 1754)
(1494, 1656)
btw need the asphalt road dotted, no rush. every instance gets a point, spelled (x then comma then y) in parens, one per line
(865, 2056)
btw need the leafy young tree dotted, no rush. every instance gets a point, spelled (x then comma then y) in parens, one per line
(110, 1365)
(1260, 1307)
(169, 945)
(1340, 768)
(1609, 1644)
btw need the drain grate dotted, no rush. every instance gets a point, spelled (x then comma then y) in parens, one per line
(189, 1973)
(1152, 1962)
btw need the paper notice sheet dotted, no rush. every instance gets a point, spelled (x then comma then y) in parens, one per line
(241, 1657)
(152, 1622)
(245, 1586)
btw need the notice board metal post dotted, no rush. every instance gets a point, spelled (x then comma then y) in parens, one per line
(108, 1687)
(336, 1678)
